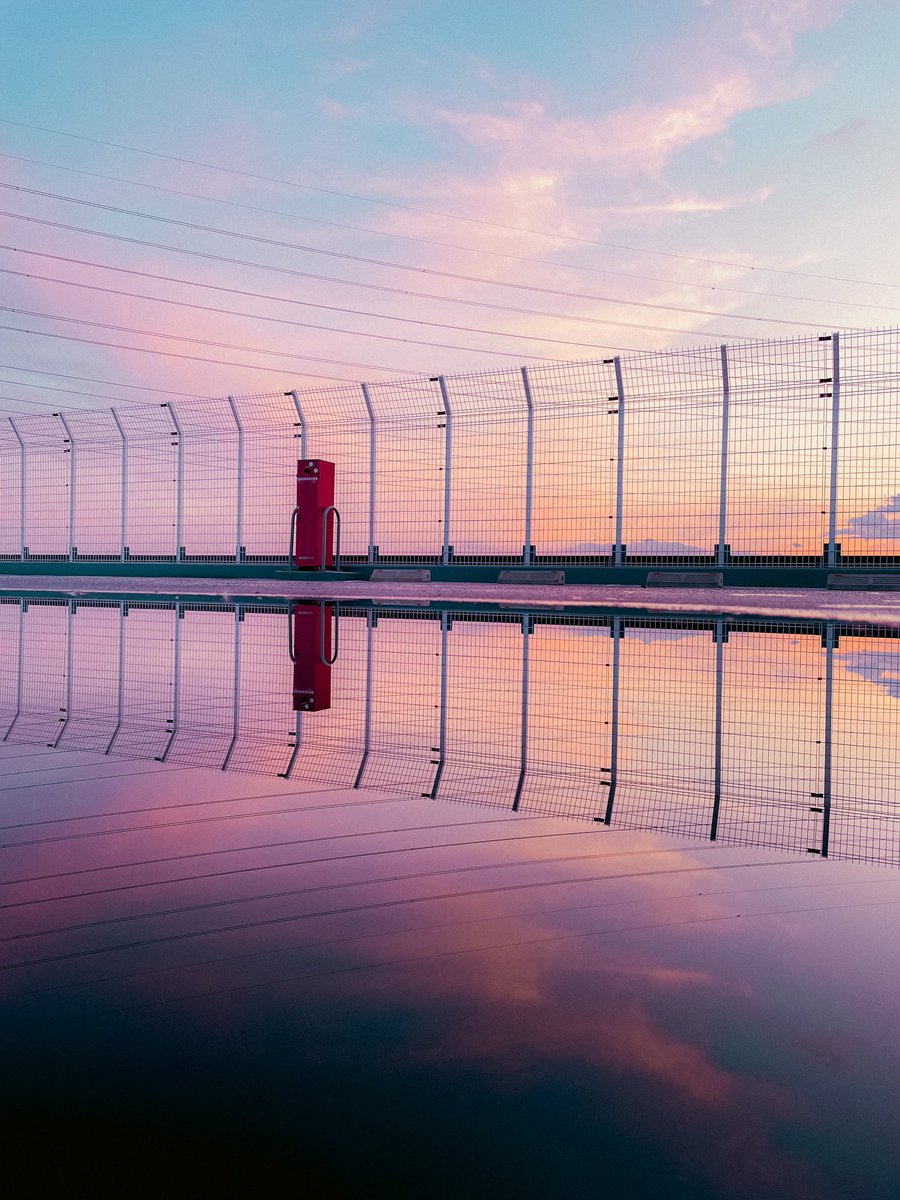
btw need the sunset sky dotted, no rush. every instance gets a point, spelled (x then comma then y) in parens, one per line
(634, 175)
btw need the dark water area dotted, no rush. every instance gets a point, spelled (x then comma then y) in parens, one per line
(297, 986)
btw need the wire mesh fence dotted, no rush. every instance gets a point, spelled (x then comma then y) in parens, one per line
(776, 733)
(765, 452)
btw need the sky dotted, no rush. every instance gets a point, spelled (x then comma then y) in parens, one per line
(401, 187)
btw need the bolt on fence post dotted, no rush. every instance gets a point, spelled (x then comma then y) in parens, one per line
(179, 501)
(22, 479)
(239, 519)
(72, 482)
(723, 465)
(372, 471)
(527, 557)
(835, 431)
(523, 740)
(295, 396)
(448, 465)
(618, 556)
(124, 495)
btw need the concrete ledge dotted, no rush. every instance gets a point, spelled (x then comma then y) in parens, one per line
(846, 582)
(531, 577)
(400, 575)
(684, 579)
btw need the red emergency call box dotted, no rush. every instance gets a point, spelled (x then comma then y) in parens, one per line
(315, 516)
(312, 629)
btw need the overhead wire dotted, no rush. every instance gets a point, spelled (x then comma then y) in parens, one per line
(368, 286)
(557, 236)
(365, 260)
(481, 250)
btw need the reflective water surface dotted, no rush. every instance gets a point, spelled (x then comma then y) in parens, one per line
(369, 957)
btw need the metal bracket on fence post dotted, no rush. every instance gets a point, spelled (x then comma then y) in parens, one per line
(723, 465)
(239, 520)
(615, 633)
(304, 430)
(372, 471)
(523, 741)
(528, 552)
(22, 479)
(124, 499)
(835, 430)
(448, 464)
(72, 481)
(618, 556)
(179, 504)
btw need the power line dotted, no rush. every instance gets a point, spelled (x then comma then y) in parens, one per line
(230, 312)
(564, 237)
(374, 287)
(456, 276)
(171, 354)
(85, 379)
(356, 312)
(405, 237)
(177, 337)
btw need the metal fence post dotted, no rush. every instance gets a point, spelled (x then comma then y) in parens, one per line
(72, 484)
(723, 465)
(23, 604)
(523, 743)
(717, 767)
(239, 521)
(236, 700)
(442, 741)
(120, 695)
(298, 739)
(835, 431)
(123, 548)
(830, 639)
(70, 613)
(179, 501)
(618, 554)
(367, 718)
(301, 417)
(528, 554)
(22, 479)
(446, 549)
(615, 633)
(176, 684)
(372, 471)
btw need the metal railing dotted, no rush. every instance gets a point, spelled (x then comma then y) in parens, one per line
(761, 452)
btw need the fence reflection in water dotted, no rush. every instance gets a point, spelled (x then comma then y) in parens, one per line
(763, 732)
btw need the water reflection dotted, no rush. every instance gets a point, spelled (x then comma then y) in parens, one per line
(750, 731)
